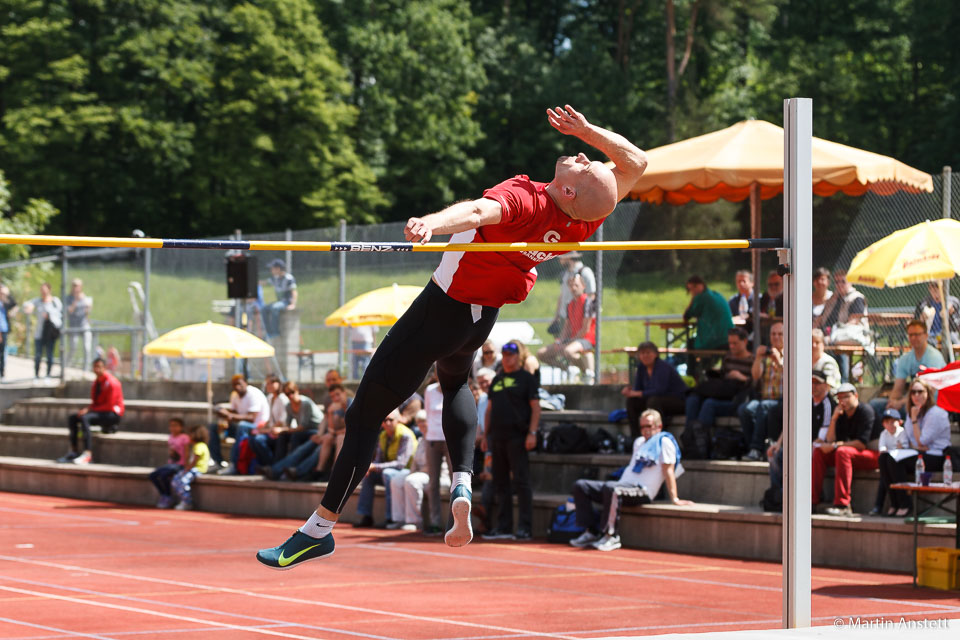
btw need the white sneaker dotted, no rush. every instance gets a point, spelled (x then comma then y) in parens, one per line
(229, 470)
(585, 539)
(84, 458)
(607, 543)
(409, 527)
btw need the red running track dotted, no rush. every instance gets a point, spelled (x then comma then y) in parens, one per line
(78, 569)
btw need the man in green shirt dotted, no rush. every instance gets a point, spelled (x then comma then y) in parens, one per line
(712, 314)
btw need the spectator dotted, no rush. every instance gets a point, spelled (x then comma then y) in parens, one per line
(821, 416)
(928, 434)
(513, 417)
(247, 410)
(407, 486)
(572, 267)
(759, 417)
(362, 341)
(528, 362)
(712, 313)
(436, 452)
(162, 476)
(79, 306)
(821, 294)
(845, 448)
(48, 321)
(105, 409)
(657, 385)
(845, 316)
(303, 419)
(893, 440)
(655, 460)
(921, 355)
(270, 434)
(771, 302)
(741, 303)
(930, 310)
(197, 464)
(334, 428)
(487, 358)
(285, 286)
(718, 395)
(8, 305)
(395, 448)
(823, 361)
(576, 342)
(409, 409)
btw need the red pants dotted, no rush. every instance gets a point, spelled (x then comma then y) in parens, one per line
(846, 459)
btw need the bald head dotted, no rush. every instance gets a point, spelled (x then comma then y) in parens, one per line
(583, 189)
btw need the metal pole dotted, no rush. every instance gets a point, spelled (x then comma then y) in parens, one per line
(63, 315)
(146, 309)
(341, 332)
(947, 342)
(288, 255)
(237, 302)
(598, 307)
(755, 266)
(797, 407)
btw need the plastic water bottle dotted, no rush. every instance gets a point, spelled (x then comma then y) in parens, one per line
(948, 471)
(919, 469)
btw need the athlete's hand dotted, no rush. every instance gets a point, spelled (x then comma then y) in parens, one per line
(567, 121)
(417, 231)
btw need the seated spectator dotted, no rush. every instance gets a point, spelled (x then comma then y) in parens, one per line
(821, 295)
(719, 395)
(572, 266)
(487, 358)
(273, 433)
(105, 409)
(928, 434)
(771, 302)
(892, 442)
(407, 486)
(197, 463)
(845, 448)
(409, 409)
(712, 313)
(921, 355)
(741, 303)
(161, 477)
(395, 448)
(512, 419)
(930, 310)
(655, 460)
(303, 419)
(657, 385)
(528, 361)
(333, 428)
(845, 317)
(761, 418)
(363, 340)
(823, 361)
(577, 340)
(285, 286)
(247, 410)
(436, 446)
(822, 416)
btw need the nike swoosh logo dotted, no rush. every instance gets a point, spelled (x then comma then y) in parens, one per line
(283, 562)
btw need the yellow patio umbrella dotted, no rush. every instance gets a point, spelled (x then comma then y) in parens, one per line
(209, 340)
(926, 252)
(380, 307)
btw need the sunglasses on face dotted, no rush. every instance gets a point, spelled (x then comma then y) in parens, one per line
(488, 352)
(916, 392)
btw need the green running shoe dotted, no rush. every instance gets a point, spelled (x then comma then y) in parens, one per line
(298, 549)
(460, 531)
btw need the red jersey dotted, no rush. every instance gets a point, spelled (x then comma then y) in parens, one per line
(576, 310)
(528, 214)
(107, 395)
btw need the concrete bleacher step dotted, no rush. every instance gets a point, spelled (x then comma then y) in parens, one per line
(49, 443)
(867, 543)
(142, 416)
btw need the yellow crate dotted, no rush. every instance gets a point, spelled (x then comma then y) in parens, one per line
(938, 567)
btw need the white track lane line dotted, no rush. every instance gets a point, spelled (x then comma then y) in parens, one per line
(124, 634)
(289, 599)
(68, 516)
(64, 632)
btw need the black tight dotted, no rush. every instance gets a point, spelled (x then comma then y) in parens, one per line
(436, 328)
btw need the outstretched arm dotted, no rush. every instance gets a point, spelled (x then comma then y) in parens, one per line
(462, 216)
(630, 161)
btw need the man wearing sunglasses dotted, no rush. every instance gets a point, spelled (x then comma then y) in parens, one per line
(456, 311)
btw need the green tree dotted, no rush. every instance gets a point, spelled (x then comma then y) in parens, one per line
(31, 219)
(179, 117)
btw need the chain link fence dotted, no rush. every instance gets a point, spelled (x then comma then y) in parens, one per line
(639, 288)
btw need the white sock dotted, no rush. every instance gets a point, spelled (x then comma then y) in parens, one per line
(317, 527)
(461, 477)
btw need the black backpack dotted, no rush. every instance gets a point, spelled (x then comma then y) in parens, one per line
(727, 444)
(602, 441)
(695, 441)
(568, 438)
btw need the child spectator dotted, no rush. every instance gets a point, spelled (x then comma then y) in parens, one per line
(892, 438)
(162, 475)
(197, 463)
